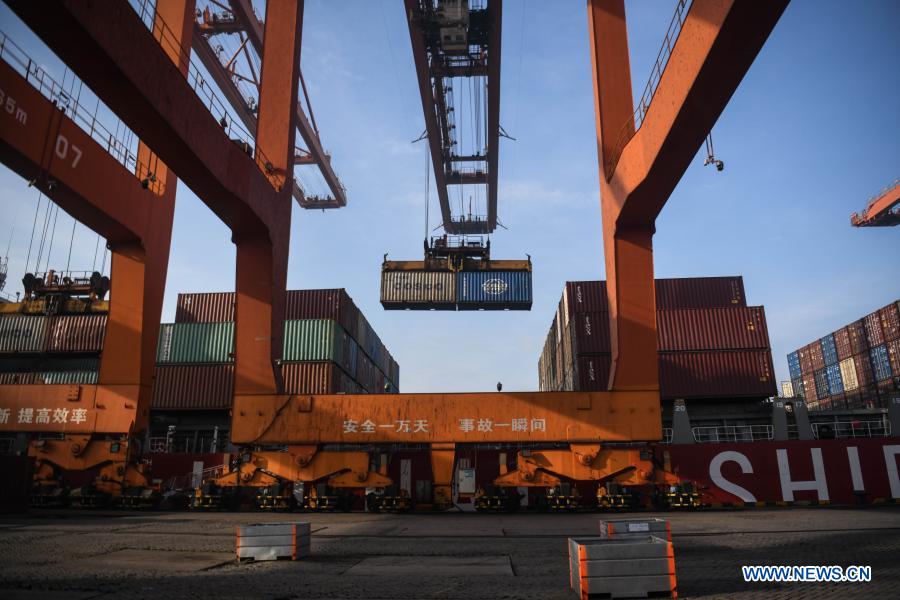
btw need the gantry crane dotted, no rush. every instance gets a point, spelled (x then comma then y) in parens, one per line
(883, 209)
(339, 439)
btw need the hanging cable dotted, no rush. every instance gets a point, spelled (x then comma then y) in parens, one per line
(40, 254)
(427, 186)
(52, 235)
(34, 227)
(96, 247)
(71, 243)
(103, 265)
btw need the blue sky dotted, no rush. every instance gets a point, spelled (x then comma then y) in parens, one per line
(809, 135)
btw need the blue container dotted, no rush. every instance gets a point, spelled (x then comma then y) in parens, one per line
(881, 365)
(798, 387)
(794, 366)
(835, 382)
(821, 384)
(829, 351)
(493, 290)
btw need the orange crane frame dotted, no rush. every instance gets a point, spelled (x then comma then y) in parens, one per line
(717, 44)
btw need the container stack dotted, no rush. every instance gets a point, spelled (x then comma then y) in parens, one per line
(711, 344)
(855, 367)
(329, 348)
(56, 349)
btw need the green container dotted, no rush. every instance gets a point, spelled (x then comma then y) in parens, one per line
(315, 340)
(195, 343)
(63, 377)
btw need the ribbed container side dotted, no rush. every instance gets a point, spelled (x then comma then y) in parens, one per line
(418, 289)
(215, 307)
(315, 378)
(722, 374)
(874, 333)
(794, 365)
(894, 356)
(334, 304)
(16, 378)
(64, 377)
(316, 340)
(890, 321)
(193, 387)
(821, 383)
(493, 290)
(787, 389)
(712, 329)
(816, 356)
(23, 333)
(591, 332)
(835, 382)
(848, 374)
(858, 341)
(829, 351)
(593, 372)
(842, 343)
(193, 343)
(76, 333)
(700, 292)
(881, 365)
(583, 297)
(864, 373)
(806, 365)
(809, 387)
(797, 385)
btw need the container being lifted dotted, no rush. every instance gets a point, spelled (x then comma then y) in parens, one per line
(456, 274)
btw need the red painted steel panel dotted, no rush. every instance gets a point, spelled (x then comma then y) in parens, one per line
(724, 374)
(842, 343)
(707, 465)
(77, 333)
(815, 355)
(874, 333)
(890, 321)
(712, 329)
(700, 292)
(858, 342)
(215, 307)
(193, 387)
(593, 372)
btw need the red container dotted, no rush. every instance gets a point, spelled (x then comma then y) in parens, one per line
(809, 386)
(806, 365)
(893, 348)
(825, 404)
(215, 307)
(193, 387)
(591, 332)
(864, 374)
(842, 343)
(700, 292)
(332, 304)
(316, 378)
(77, 333)
(874, 333)
(712, 329)
(593, 372)
(815, 355)
(726, 374)
(584, 296)
(858, 342)
(890, 321)
(16, 378)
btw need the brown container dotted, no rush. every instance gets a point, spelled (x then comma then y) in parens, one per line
(77, 333)
(591, 333)
(815, 355)
(584, 296)
(857, 332)
(864, 374)
(874, 333)
(316, 378)
(806, 365)
(593, 372)
(193, 387)
(726, 374)
(332, 304)
(893, 348)
(16, 378)
(215, 307)
(842, 343)
(809, 386)
(712, 329)
(700, 292)
(890, 321)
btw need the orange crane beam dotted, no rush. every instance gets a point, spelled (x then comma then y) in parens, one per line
(641, 163)
(882, 211)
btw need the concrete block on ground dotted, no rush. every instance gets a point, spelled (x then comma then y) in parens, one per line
(622, 567)
(635, 528)
(273, 541)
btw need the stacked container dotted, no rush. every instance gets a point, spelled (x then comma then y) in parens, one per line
(497, 288)
(857, 366)
(329, 347)
(58, 349)
(711, 344)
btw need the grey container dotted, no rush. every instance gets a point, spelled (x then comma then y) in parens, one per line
(23, 333)
(418, 290)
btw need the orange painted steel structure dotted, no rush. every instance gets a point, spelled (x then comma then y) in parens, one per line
(112, 51)
(882, 211)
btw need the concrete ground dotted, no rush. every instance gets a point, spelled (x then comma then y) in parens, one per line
(81, 554)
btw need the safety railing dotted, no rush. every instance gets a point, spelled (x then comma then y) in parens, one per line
(851, 429)
(203, 88)
(872, 199)
(732, 433)
(630, 128)
(117, 144)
